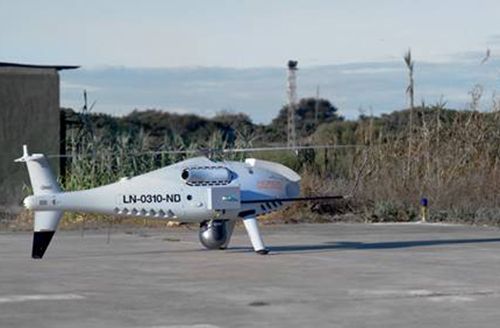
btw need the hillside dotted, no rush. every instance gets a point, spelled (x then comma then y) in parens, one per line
(325, 127)
(158, 125)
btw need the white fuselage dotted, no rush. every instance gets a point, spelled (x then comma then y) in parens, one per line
(213, 190)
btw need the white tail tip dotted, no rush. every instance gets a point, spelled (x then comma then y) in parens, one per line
(25, 155)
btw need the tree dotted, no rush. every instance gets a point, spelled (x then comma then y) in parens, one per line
(308, 117)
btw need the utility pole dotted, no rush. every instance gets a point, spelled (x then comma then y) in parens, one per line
(292, 103)
(410, 91)
(316, 106)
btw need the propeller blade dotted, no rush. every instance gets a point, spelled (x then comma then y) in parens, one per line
(227, 150)
(294, 199)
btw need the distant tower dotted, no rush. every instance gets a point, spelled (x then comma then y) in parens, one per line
(316, 106)
(292, 103)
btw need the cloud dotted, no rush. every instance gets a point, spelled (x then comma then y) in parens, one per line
(494, 39)
(261, 92)
(372, 70)
(78, 86)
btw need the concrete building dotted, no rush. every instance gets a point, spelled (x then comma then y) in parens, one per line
(29, 114)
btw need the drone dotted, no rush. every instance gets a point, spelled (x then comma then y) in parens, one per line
(215, 194)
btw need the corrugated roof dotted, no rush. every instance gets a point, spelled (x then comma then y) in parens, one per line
(56, 67)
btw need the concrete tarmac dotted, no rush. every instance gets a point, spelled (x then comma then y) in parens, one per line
(323, 275)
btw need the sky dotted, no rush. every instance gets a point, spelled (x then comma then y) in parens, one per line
(231, 54)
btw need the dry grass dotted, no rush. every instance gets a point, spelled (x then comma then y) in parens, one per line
(454, 160)
(454, 163)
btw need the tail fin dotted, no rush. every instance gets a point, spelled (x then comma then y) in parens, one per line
(42, 179)
(43, 182)
(45, 226)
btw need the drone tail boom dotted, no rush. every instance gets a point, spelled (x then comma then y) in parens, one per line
(43, 182)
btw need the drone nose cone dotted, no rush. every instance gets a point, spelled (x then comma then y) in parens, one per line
(29, 202)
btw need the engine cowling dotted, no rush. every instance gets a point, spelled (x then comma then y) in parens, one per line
(215, 234)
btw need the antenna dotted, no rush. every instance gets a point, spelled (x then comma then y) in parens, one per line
(86, 108)
(292, 103)
(316, 106)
